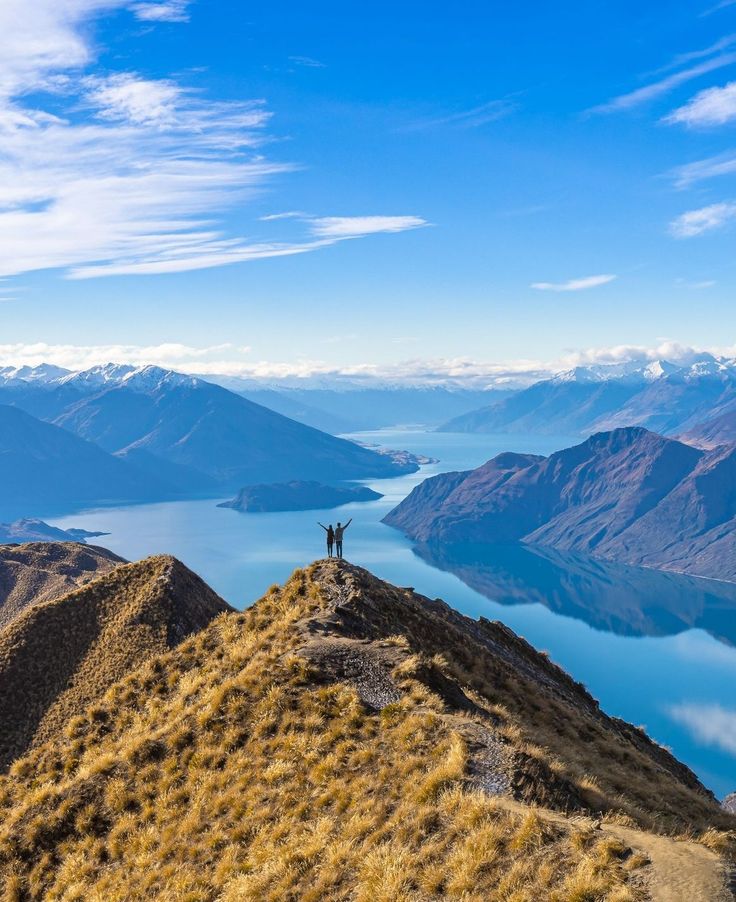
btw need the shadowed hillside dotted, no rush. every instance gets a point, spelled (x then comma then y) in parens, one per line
(45, 468)
(58, 657)
(345, 738)
(39, 571)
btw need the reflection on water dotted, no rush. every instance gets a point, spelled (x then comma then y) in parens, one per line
(629, 601)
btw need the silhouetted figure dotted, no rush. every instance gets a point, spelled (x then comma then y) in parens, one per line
(339, 533)
(330, 537)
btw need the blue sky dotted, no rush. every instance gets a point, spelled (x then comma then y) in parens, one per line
(406, 189)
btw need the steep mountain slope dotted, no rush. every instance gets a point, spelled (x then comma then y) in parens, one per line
(215, 433)
(45, 468)
(717, 429)
(661, 396)
(40, 571)
(626, 495)
(58, 657)
(553, 407)
(345, 739)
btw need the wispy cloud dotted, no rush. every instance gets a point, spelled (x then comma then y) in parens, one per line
(713, 106)
(169, 11)
(474, 117)
(682, 59)
(697, 286)
(136, 175)
(358, 226)
(718, 7)
(663, 86)
(710, 724)
(702, 170)
(705, 219)
(574, 284)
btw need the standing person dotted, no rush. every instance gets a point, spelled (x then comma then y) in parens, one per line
(330, 537)
(339, 533)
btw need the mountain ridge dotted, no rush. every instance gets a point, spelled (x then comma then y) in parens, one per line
(627, 495)
(393, 752)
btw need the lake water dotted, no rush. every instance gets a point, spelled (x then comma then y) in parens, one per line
(655, 649)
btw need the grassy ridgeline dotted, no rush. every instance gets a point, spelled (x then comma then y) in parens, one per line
(337, 741)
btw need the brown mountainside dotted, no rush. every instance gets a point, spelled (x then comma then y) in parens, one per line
(58, 657)
(346, 739)
(39, 571)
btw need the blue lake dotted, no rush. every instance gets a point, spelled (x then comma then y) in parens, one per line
(656, 649)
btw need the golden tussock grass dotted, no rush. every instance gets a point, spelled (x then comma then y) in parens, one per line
(230, 769)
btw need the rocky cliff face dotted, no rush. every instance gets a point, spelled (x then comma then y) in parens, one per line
(627, 495)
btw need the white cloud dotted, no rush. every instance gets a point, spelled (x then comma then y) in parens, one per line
(169, 11)
(705, 219)
(127, 98)
(229, 359)
(574, 284)
(357, 226)
(702, 170)
(136, 174)
(663, 86)
(713, 106)
(710, 724)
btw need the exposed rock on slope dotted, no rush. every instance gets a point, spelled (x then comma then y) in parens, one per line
(628, 495)
(298, 496)
(341, 739)
(58, 657)
(39, 571)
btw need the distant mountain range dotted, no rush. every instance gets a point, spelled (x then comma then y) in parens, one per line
(661, 396)
(337, 409)
(627, 495)
(119, 433)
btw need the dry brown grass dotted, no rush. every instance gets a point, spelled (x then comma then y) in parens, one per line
(39, 571)
(226, 769)
(57, 657)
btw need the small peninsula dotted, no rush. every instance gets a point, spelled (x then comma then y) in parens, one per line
(297, 496)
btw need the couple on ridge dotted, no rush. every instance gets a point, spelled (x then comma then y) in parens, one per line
(334, 536)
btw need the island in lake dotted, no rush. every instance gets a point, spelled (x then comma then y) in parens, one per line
(297, 496)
